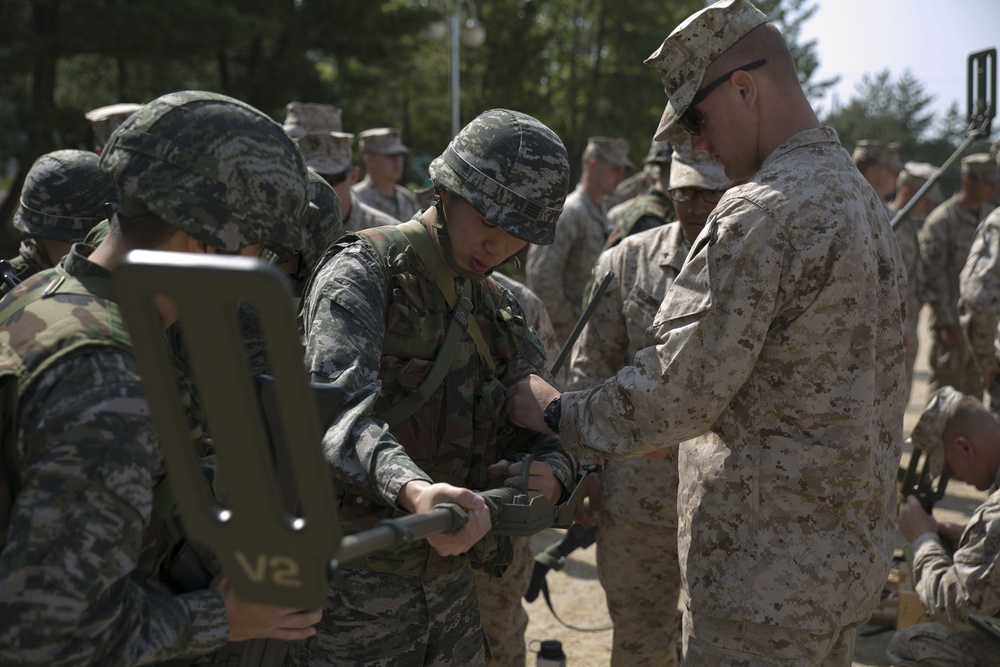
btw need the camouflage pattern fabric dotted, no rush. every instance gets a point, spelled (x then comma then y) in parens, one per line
(638, 521)
(63, 197)
(638, 568)
(512, 169)
(88, 459)
(373, 322)
(371, 619)
(559, 273)
(97, 234)
(937, 645)
(644, 212)
(952, 586)
(362, 216)
(503, 615)
(778, 349)
(711, 642)
(979, 291)
(945, 241)
(175, 158)
(400, 206)
(909, 249)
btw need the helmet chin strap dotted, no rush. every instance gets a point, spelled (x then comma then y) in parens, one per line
(441, 227)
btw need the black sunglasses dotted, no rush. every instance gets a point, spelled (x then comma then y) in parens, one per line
(692, 118)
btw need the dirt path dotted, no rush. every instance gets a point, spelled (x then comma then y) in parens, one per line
(578, 598)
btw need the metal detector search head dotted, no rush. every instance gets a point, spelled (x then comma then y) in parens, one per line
(981, 92)
(270, 554)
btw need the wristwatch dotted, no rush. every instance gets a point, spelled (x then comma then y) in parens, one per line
(552, 414)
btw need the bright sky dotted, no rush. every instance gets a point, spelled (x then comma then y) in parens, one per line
(933, 38)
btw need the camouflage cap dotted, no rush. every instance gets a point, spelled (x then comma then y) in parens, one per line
(213, 166)
(660, 152)
(694, 45)
(928, 434)
(303, 117)
(981, 166)
(326, 152)
(609, 149)
(695, 169)
(381, 141)
(872, 150)
(105, 120)
(921, 172)
(512, 169)
(64, 196)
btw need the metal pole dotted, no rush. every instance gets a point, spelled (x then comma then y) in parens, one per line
(455, 21)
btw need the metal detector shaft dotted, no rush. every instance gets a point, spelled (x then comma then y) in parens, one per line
(584, 317)
(394, 533)
(905, 211)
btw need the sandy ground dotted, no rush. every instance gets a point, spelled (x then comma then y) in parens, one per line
(578, 598)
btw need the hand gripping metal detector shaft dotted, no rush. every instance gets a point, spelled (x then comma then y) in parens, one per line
(278, 536)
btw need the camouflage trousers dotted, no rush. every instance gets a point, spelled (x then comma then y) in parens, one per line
(720, 642)
(638, 568)
(936, 645)
(504, 618)
(375, 619)
(955, 367)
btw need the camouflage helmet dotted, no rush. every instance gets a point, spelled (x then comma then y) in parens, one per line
(325, 225)
(63, 197)
(512, 169)
(211, 165)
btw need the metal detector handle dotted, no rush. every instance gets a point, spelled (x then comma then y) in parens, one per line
(584, 317)
(981, 94)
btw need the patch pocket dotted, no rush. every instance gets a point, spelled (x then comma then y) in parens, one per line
(691, 293)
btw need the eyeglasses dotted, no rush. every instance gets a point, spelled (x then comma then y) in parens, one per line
(687, 194)
(692, 118)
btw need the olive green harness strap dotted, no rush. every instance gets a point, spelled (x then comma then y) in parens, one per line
(462, 320)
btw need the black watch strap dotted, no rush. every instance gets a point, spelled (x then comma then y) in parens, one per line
(553, 413)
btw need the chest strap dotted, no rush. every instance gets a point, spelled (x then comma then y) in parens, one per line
(462, 320)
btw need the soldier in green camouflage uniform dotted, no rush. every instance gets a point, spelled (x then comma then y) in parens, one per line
(381, 314)
(86, 570)
(776, 358)
(63, 197)
(954, 567)
(637, 537)
(648, 209)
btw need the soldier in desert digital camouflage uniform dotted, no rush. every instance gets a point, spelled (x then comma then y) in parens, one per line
(637, 536)
(63, 197)
(640, 182)
(383, 153)
(650, 208)
(329, 153)
(979, 304)
(559, 272)
(377, 322)
(879, 163)
(86, 569)
(954, 567)
(778, 351)
(913, 177)
(945, 241)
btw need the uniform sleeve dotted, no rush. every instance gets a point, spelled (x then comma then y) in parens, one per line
(546, 271)
(69, 594)
(344, 325)
(602, 348)
(952, 588)
(934, 255)
(980, 293)
(708, 333)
